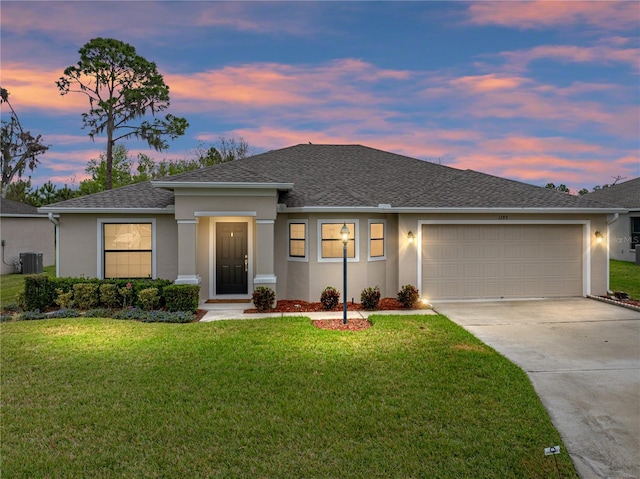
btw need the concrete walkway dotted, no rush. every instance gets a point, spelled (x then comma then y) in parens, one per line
(583, 358)
(223, 311)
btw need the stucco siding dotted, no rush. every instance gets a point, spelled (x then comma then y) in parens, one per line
(620, 237)
(80, 253)
(27, 235)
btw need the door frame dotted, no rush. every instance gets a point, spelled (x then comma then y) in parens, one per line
(212, 255)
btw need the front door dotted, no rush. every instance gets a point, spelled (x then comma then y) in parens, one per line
(231, 258)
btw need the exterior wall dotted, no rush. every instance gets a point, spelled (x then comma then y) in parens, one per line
(596, 265)
(26, 235)
(305, 280)
(79, 251)
(620, 238)
(210, 207)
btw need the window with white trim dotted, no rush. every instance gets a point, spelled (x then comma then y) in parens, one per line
(330, 244)
(127, 250)
(298, 240)
(377, 245)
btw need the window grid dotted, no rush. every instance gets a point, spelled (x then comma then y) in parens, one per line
(376, 240)
(635, 232)
(297, 240)
(332, 246)
(127, 250)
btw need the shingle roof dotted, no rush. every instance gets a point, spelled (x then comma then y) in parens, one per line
(626, 195)
(10, 207)
(139, 195)
(349, 176)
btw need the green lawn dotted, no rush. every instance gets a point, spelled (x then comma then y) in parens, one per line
(11, 284)
(411, 397)
(625, 276)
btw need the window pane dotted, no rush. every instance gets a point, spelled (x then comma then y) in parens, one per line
(377, 248)
(332, 249)
(376, 230)
(297, 231)
(296, 248)
(332, 230)
(127, 265)
(127, 237)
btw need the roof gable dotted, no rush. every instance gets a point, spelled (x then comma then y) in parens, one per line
(15, 208)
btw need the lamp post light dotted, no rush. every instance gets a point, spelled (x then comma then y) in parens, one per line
(344, 232)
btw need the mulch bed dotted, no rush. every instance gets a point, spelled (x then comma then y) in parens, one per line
(293, 306)
(337, 325)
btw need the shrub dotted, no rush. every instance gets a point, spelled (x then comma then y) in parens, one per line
(98, 313)
(263, 298)
(154, 316)
(5, 317)
(408, 296)
(38, 293)
(64, 300)
(127, 295)
(182, 297)
(12, 307)
(85, 295)
(330, 298)
(370, 297)
(109, 295)
(149, 298)
(21, 300)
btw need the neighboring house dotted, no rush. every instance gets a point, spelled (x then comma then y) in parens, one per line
(274, 220)
(624, 229)
(24, 230)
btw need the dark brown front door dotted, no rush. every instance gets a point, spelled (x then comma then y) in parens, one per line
(231, 258)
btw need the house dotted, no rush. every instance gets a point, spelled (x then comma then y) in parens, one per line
(24, 230)
(624, 229)
(274, 220)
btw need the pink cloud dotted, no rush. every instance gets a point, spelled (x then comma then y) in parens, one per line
(603, 54)
(33, 87)
(490, 82)
(542, 13)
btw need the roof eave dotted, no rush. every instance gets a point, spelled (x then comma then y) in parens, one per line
(143, 211)
(282, 208)
(220, 185)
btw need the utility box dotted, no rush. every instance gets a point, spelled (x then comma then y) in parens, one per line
(31, 263)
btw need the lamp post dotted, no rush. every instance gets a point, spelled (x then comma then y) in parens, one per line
(344, 232)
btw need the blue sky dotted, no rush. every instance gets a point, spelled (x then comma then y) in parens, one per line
(540, 91)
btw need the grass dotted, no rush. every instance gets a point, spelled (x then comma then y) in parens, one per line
(625, 276)
(11, 284)
(411, 397)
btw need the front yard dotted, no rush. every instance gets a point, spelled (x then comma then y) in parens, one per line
(412, 396)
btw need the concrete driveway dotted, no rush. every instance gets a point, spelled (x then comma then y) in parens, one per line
(583, 358)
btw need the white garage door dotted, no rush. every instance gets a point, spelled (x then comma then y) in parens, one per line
(501, 261)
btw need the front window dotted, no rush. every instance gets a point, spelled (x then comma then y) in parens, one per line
(635, 232)
(376, 240)
(297, 240)
(127, 250)
(331, 240)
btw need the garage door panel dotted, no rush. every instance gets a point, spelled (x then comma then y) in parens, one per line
(501, 261)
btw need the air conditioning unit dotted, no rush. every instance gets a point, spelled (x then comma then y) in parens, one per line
(31, 263)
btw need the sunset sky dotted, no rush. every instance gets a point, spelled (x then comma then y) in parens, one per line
(541, 91)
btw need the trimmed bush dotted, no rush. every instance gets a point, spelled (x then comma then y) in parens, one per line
(86, 295)
(330, 298)
(64, 300)
(408, 296)
(38, 293)
(148, 298)
(109, 295)
(370, 297)
(263, 298)
(182, 297)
